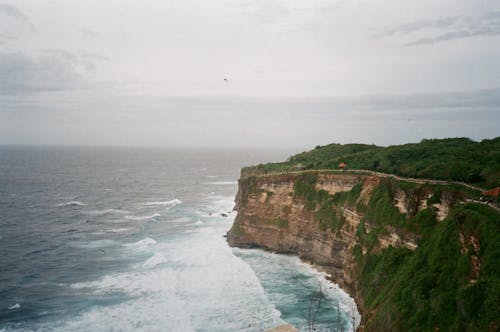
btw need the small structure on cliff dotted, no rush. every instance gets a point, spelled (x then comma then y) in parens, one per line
(492, 194)
(342, 166)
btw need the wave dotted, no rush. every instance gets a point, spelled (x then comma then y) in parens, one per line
(142, 244)
(154, 260)
(140, 218)
(164, 290)
(172, 202)
(15, 306)
(222, 183)
(220, 203)
(314, 280)
(119, 230)
(71, 203)
(114, 230)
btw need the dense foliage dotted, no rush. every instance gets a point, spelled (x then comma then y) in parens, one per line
(435, 286)
(450, 282)
(458, 159)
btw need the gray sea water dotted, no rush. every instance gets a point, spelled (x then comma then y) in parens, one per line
(128, 239)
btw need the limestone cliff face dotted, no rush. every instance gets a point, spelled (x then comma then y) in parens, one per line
(273, 215)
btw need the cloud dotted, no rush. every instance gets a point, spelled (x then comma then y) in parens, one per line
(264, 11)
(445, 100)
(448, 28)
(52, 70)
(89, 33)
(4, 38)
(12, 12)
(411, 27)
(12, 23)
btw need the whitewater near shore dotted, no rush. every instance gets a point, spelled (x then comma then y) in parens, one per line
(127, 240)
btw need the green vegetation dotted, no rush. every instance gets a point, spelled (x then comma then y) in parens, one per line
(304, 188)
(435, 286)
(328, 217)
(458, 159)
(451, 280)
(380, 209)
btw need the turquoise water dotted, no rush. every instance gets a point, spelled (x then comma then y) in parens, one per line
(132, 239)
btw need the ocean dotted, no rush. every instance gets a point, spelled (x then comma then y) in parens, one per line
(132, 239)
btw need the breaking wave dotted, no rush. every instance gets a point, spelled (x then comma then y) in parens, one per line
(223, 183)
(140, 218)
(172, 202)
(71, 203)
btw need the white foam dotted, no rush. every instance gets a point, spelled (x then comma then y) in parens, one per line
(190, 283)
(332, 290)
(15, 306)
(140, 218)
(199, 222)
(71, 203)
(220, 204)
(118, 230)
(155, 260)
(259, 259)
(172, 202)
(142, 244)
(223, 183)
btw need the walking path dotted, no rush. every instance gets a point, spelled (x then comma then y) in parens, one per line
(386, 175)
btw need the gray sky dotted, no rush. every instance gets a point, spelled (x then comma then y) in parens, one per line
(300, 73)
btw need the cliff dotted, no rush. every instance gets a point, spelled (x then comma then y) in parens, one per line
(414, 255)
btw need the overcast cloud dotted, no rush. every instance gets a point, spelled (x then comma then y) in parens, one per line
(299, 73)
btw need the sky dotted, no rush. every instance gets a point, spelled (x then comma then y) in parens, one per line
(298, 73)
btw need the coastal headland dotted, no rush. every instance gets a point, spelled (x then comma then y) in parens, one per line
(415, 253)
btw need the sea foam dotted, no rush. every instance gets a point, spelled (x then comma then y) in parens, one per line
(71, 203)
(140, 218)
(15, 306)
(222, 183)
(154, 260)
(142, 244)
(172, 202)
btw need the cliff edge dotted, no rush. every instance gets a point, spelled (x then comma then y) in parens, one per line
(415, 256)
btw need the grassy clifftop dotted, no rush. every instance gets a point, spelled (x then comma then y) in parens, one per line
(457, 159)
